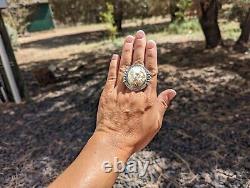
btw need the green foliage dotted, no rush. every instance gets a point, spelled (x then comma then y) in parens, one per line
(158, 7)
(72, 12)
(184, 27)
(13, 36)
(88, 11)
(239, 10)
(18, 14)
(182, 7)
(136, 8)
(108, 18)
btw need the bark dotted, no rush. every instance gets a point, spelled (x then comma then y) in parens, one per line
(173, 9)
(118, 14)
(209, 22)
(242, 43)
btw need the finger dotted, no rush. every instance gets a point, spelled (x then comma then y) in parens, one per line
(139, 47)
(126, 59)
(151, 62)
(112, 74)
(164, 100)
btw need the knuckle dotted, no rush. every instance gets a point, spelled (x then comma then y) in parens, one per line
(150, 54)
(150, 101)
(154, 72)
(106, 95)
(139, 59)
(152, 67)
(127, 48)
(127, 51)
(125, 63)
(139, 44)
(111, 78)
(164, 103)
(122, 69)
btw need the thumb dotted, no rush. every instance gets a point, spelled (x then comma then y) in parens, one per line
(164, 100)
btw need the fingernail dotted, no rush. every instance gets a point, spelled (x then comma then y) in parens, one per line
(140, 34)
(114, 57)
(171, 94)
(151, 44)
(129, 39)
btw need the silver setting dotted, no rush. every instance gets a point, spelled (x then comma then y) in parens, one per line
(136, 77)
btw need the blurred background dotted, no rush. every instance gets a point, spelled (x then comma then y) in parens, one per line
(57, 53)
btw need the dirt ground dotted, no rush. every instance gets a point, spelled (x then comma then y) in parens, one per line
(203, 143)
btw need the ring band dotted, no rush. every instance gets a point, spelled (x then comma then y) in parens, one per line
(136, 77)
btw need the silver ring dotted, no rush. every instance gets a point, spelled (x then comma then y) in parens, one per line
(136, 77)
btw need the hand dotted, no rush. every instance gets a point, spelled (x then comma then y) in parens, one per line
(126, 121)
(129, 120)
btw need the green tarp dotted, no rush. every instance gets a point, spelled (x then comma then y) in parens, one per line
(41, 19)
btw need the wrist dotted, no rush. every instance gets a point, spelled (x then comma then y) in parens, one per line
(110, 145)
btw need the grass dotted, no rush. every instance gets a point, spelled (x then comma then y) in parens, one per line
(229, 29)
(187, 26)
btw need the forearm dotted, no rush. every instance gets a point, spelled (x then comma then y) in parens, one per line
(88, 168)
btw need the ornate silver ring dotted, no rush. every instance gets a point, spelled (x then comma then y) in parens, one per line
(136, 77)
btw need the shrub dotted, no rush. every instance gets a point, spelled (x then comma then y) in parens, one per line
(18, 17)
(182, 7)
(187, 26)
(108, 18)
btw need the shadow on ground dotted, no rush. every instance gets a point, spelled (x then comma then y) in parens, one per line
(204, 141)
(89, 37)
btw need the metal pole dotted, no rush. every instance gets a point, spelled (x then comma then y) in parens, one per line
(2, 91)
(4, 94)
(9, 73)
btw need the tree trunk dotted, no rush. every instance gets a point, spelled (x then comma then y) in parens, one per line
(173, 9)
(118, 14)
(209, 22)
(241, 44)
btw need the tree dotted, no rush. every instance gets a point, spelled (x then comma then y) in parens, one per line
(118, 14)
(208, 18)
(241, 44)
(108, 18)
(173, 9)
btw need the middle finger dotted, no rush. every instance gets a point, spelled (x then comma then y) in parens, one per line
(139, 47)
